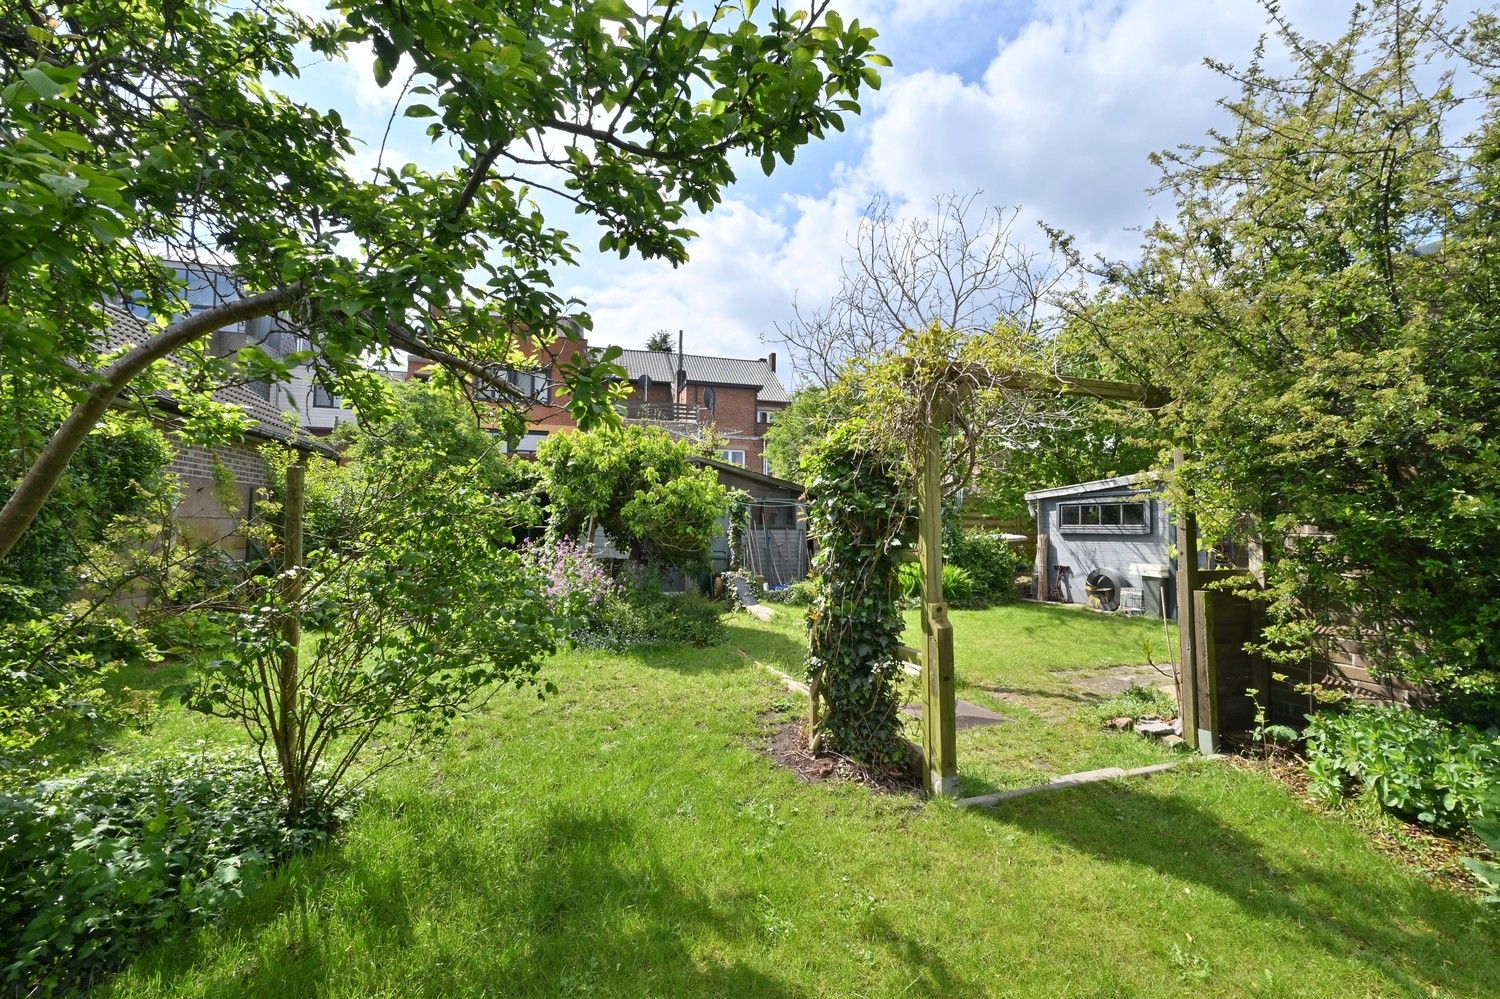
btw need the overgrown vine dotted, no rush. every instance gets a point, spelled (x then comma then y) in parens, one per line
(860, 520)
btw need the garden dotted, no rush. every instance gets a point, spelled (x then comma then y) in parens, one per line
(435, 718)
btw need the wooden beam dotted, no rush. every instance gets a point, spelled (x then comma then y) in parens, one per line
(939, 744)
(1187, 631)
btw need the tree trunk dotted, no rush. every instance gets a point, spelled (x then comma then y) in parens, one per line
(288, 728)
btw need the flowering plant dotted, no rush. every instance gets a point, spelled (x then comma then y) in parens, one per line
(576, 583)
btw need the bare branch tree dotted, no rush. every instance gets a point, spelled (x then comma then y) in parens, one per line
(961, 267)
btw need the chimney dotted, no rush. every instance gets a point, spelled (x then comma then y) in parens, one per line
(771, 360)
(681, 371)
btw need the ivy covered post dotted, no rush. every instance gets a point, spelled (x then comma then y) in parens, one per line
(939, 745)
(860, 520)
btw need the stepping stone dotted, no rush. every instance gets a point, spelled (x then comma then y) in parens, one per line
(965, 715)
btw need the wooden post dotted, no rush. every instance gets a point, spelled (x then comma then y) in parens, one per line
(1189, 678)
(939, 747)
(288, 724)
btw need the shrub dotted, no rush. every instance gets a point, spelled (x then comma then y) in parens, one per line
(990, 560)
(637, 617)
(578, 585)
(958, 584)
(798, 594)
(1417, 765)
(93, 866)
(118, 472)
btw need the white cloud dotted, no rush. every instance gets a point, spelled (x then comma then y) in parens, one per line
(1062, 122)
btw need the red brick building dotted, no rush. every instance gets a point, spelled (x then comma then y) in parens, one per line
(683, 393)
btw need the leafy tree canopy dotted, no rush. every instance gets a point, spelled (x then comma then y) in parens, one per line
(660, 341)
(135, 130)
(640, 485)
(1324, 305)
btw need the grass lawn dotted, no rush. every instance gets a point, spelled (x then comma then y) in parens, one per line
(1021, 661)
(629, 837)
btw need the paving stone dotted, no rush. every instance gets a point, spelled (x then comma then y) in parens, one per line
(1154, 729)
(965, 715)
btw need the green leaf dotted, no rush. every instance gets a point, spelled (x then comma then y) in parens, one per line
(44, 85)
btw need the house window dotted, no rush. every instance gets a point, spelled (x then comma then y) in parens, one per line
(765, 416)
(1115, 516)
(765, 466)
(534, 385)
(710, 397)
(734, 457)
(324, 399)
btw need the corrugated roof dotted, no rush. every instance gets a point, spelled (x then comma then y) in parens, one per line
(703, 369)
(129, 329)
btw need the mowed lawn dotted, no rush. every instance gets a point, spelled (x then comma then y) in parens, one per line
(1024, 661)
(630, 837)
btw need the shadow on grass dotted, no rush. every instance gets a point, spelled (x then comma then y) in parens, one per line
(594, 909)
(139, 691)
(1440, 937)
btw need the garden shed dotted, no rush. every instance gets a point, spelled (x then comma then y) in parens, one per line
(775, 546)
(1105, 544)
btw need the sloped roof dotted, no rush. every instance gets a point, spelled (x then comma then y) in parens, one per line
(703, 369)
(728, 468)
(129, 329)
(1140, 480)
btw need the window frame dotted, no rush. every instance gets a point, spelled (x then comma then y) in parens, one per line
(726, 455)
(1105, 515)
(322, 392)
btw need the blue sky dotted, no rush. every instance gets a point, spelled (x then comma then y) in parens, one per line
(1050, 105)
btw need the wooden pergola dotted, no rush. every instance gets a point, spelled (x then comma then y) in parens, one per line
(1196, 691)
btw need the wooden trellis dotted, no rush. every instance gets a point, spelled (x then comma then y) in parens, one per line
(935, 658)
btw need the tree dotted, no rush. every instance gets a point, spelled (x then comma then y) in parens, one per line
(1324, 302)
(358, 652)
(639, 484)
(960, 267)
(660, 341)
(798, 427)
(136, 129)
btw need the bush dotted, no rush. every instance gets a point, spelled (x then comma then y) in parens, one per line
(798, 594)
(1417, 765)
(990, 560)
(641, 614)
(577, 584)
(958, 584)
(93, 866)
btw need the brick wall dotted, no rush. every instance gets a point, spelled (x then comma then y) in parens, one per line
(208, 512)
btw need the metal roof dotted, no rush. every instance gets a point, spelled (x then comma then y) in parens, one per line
(702, 369)
(1140, 480)
(128, 330)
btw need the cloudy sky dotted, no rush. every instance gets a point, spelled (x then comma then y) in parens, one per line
(1049, 105)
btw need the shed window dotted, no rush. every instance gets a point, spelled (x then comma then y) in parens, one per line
(1123, 516)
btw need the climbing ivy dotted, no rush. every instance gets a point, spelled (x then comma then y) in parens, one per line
(860, 519)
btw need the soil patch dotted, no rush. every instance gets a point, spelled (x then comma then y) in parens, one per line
(1114, 680)
(788, 747)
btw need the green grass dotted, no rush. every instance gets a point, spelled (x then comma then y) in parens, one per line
(629, 837)
(1021, 660)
